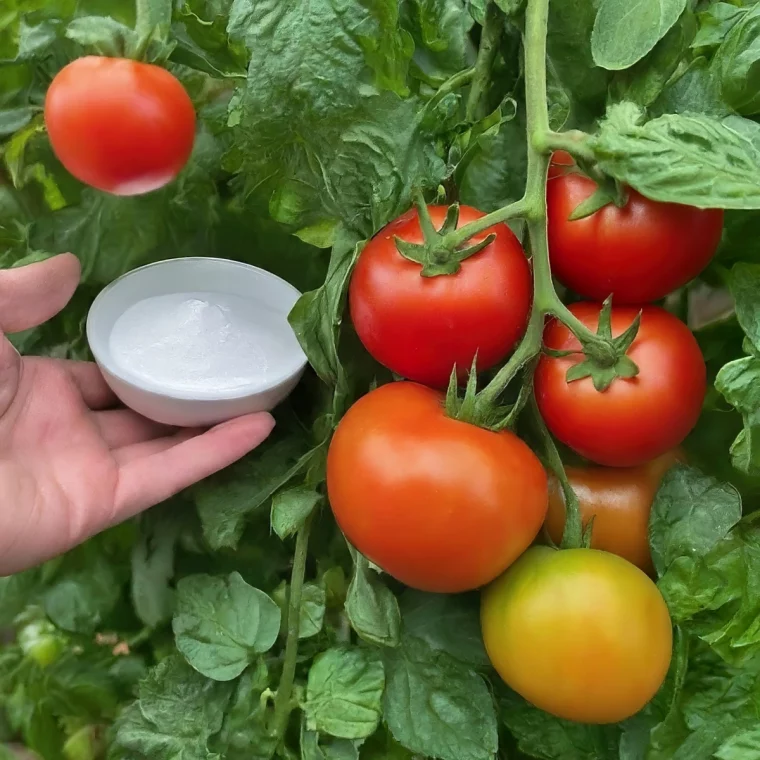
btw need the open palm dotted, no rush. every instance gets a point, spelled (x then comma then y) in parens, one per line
(72, 462)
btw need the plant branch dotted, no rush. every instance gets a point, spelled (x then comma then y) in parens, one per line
(282, 702)
(572, 536)
(493, 27)
(573, 142)
(463, 234)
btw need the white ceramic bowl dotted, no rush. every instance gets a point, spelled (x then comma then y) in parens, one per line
(198, 407)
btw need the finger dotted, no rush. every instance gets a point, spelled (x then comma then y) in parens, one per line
(154, 478)
(123, 427)
(32, 294)
(91, 384)
(128, 454)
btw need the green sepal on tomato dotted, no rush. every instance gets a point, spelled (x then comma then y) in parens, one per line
(420, 327)
(579, 633)
(636, 418)
(637, 253)
(439, 504)
(118, 125)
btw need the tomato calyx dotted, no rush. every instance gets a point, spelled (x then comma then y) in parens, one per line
(437, 255)
(606, 357)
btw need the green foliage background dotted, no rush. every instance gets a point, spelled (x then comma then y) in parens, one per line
(163, 638)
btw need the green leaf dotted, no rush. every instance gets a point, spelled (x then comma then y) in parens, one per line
(716, 22)
(737, 63)
(102, 35)
(312, 614)
(541, 735)
(449, 623)
(80, 600)
(153, 564)
(290, 509)
(745, 288)
(202, 43)
(691, 513)
(244, 734)
(696, 160)
(344, 693)
(227, 499)
(178, 710)
(316, 747)
(739, 383)
(626, 30)
(371, 606)
(437, 706)
(16, 592)
(696, 90)
(220, 625)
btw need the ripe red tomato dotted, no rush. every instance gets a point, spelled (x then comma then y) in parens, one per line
(420, 327)
(620, 501)
(638, 253)
(580, 633)
(439, 504)
(636, 419)
(121, 126)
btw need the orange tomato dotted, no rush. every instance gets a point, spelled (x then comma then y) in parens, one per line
(619, 499)
(439, 504)
(579, 633)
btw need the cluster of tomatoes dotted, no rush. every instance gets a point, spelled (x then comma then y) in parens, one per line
(447, 506)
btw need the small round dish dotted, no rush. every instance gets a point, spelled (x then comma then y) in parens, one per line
(168, 295)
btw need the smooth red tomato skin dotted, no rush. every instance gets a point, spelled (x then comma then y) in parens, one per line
(420, 327)
(620, 501)
(560, 163)
(638, 253)
(440, 505)
(635, 419)
(579, 633)
(118, 125)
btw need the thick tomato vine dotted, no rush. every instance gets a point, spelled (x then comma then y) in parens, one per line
(421, 327)
(638, 418)
(638, 253)
(119, 125)
(439, 504)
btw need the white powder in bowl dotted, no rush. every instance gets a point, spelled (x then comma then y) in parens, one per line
(200, 341)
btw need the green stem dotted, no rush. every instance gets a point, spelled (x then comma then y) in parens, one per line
(463, 234)
(282, 702)
(572, 537)
(493, 28)
(573, 142)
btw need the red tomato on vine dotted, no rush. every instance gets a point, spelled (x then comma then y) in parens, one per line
(420, 327)
(638, 253)
(439, 504)
(638, 418)
(121, 126)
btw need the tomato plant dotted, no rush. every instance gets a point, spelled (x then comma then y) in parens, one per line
(421, 327)
(619, 499)
(636, 419)
(122, 126)
(439, 504)
(615, 640)
(638, 253)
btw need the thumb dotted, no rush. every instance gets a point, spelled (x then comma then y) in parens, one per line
(29, 296)
(32, 294)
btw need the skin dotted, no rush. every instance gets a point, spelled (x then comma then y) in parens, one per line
(439, 504)
(72, 461)
(638, 253)
(620, 501)
(579, 633)
(636, 419)
(420, 327)
(121, 126)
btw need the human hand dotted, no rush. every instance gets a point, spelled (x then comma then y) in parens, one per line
(72, 462)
